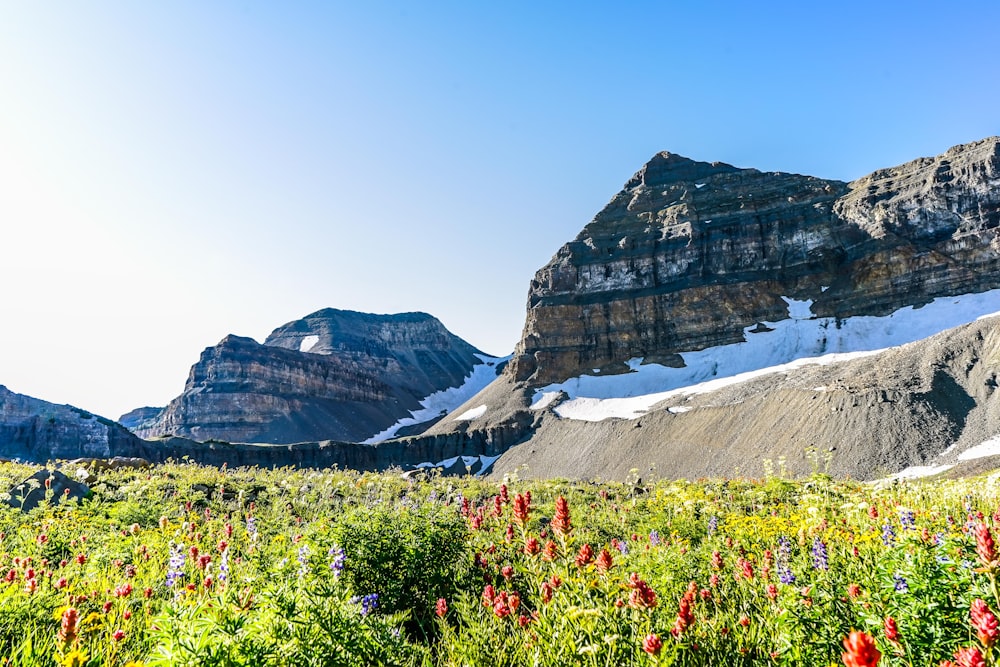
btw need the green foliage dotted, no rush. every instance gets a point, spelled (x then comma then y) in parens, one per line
(409, 557)
(187, 565)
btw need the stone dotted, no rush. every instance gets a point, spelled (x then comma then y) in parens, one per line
(30, 493)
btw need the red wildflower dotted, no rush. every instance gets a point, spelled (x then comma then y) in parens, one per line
(504, 494)
(969, 657)
(118, 635)
(70, 625)
(488, 596)
(642, 596)
(604, 561)
(984, 622)
(772, 591)
(746, 568)
(685, 618)
(61, 583)
(522, 508)
(584, 556)
(500, 608)
(984, 545)
(854, 591)
(123, 591)
(531, 546)
(497, 506)
(551, 551)
(860, 650)
(546, 592)
(652, 644)
(523, 620)
(561, 523)
(507, 571)
(441, 608)
(891, 631)
(555, 581)
(717, 560)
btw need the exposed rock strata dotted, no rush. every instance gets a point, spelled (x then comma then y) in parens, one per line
(35, 430)
(689, 253)
(333, 375)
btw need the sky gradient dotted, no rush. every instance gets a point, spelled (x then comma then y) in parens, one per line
(172, 173)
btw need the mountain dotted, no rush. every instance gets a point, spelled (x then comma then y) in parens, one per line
(332, 375)
(696, 272)
(35, 430)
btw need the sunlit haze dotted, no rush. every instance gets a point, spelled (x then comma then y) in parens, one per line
(174, 172)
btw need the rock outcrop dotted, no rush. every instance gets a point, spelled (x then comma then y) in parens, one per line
(689, 254)
(333, 375)
(696, 272)
(35, 430)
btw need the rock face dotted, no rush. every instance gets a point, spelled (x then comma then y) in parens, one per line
(333, 375)
(35, 430)
(698, 272)
(689, 254)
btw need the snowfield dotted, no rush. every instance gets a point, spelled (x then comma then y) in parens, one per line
(800, 340)
(446, 400)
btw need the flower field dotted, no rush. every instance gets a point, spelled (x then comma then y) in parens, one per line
(187, 565)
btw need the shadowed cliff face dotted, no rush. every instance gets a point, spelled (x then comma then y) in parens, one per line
(689, 253)
(35, 430)
(333, 375)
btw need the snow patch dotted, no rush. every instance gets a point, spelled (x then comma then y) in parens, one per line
(699, 185)
(543, 400)
(916, 472)
(802, 339)
(990, 447)
(799, 310)
(468, 461)
(308, 343)
(446, 400)
(474, 413)
(679, 409)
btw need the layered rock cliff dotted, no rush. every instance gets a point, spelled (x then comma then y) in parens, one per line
(689, 254)
(35, 430)
(699, 274)
(333, 375)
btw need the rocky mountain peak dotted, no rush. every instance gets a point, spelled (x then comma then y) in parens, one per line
(331, 375)
(688, 254)
(667, 168)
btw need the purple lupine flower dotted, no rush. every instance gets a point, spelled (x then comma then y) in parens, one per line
(339, 558)
(368, 602)
(622, 546)
(900, 583)
(654, 538)
(713, 524)
(303, 558)
(252, 528)
(907, 519)
(175, 564)
(820, 559)
(224, 566)
(785, 575)
(888, 535)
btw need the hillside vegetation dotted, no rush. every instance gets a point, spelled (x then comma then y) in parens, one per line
(188, 565)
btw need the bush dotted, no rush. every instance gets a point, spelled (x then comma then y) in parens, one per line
(410, 558)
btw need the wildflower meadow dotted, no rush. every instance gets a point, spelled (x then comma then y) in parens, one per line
(188, 565)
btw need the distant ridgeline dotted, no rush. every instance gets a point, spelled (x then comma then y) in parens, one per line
(707, 319)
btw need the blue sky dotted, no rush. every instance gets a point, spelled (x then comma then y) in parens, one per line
(174, 172)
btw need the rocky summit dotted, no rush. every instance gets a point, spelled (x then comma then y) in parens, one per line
(332, 375)
(689, 254)
(700, 277)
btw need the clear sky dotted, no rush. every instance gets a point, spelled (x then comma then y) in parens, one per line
(174, 172)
